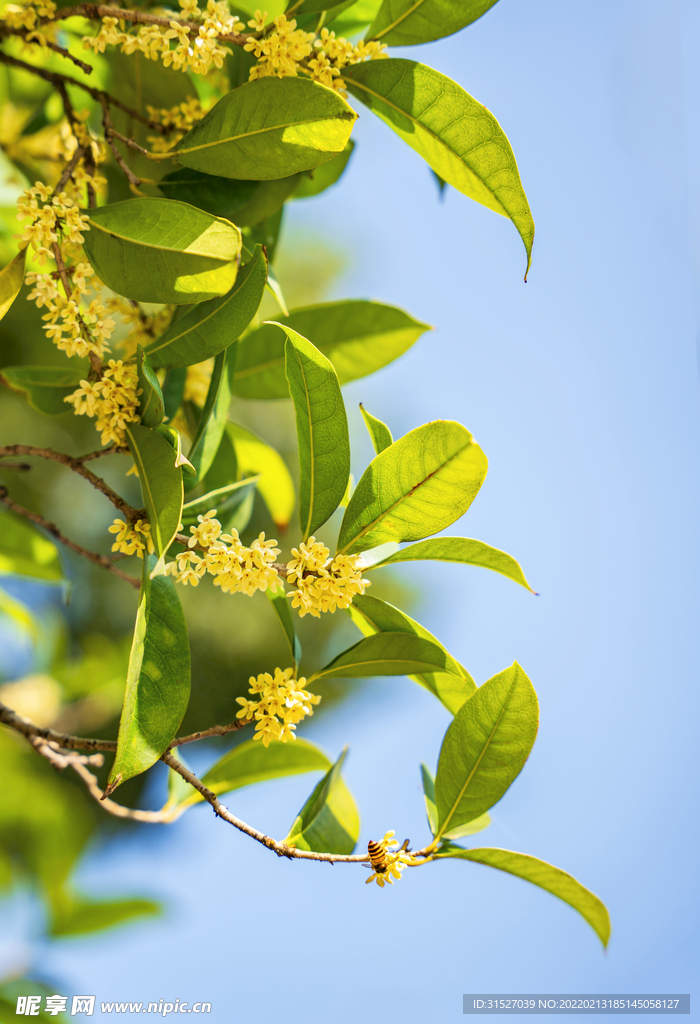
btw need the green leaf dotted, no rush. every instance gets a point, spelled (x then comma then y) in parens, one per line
(45, 387)
(161, 484)
(357, 336)
(458, 137)
(280, 602)
(270, 128)
(429, 794)
(356, 19)
(388, 654)
(224, 500)
(419, 485)
(314, 182)
(242, 202)
(371, 615)
(409, 22)
(80, 916)
(378, 431)
(158, 250)
(328, 822)
(174, 439)
(24, 551)
(460, 549)
(19, 614)
(315, 6)
(546, 876)
(266, 233)
(275, 484)
(158, 680)
(210, 327)
(151, 401)
(485, 747)
(223, 471)
(174, 390)
(212, 421)
(322, 431)
(11, 281)
(251, 762)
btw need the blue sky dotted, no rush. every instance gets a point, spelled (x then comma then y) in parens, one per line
(582, 388)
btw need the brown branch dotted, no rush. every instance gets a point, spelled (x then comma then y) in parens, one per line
(19, 466)
(109, 132)
(77, 466)
(95, 12)
(69, 168)
(22, 725)
(113, 450)
(58, 80)
(216, 730)
(115, 809)
(61, 759)
(87, 68)
(34, 517)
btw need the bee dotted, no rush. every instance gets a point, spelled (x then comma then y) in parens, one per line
(379, 862)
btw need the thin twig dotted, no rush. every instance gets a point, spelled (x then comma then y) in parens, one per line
(61, 759)
(69, 168)
(115, 809)
(109, 132)
(87, 68)
(19, 466)
(22, 725)
(216, 730)
(113, 450)
(77, 466)
(34, 517)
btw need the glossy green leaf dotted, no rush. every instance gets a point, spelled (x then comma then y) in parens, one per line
(174, 439)
(275, 484)
(224, 500)
(328, 822)
(210, 327)
(314, 182)
(460, 549)
(410, 22)
(388, 654)
(379, 432)
(212, 420)
(280, 602)
(355, 19)
(301, 7)
(372, 615)
(485, 747)
(223, 471)
(267, 233)
(151, 401)
(45, 387)
(544, 875)
(357, 336)
(322, 431)
(24, 551)
(270, 128)
(242, 202)
(419, 485)
(174, 390)
(251, 762)
(458, 137)
(161, 483)
(239, 518)
(11, 281)
(429, 795)
(80, 916)
(158, 680)
(19, 615)
(158, 250)
(478, 825)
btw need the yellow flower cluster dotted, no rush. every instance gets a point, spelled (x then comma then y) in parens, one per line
(132, 538)
(27, 16)
(286, 50)
(389, 863)
(323, 585)
(235, 568)
(196, 47)
(282, 703)
(50, 215)
(178, 119)
(112, 400)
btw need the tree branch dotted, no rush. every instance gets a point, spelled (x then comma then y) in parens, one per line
(102, 560)
(76, 464)
(115, 809)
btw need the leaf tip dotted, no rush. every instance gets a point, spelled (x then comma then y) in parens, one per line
(111, 786)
